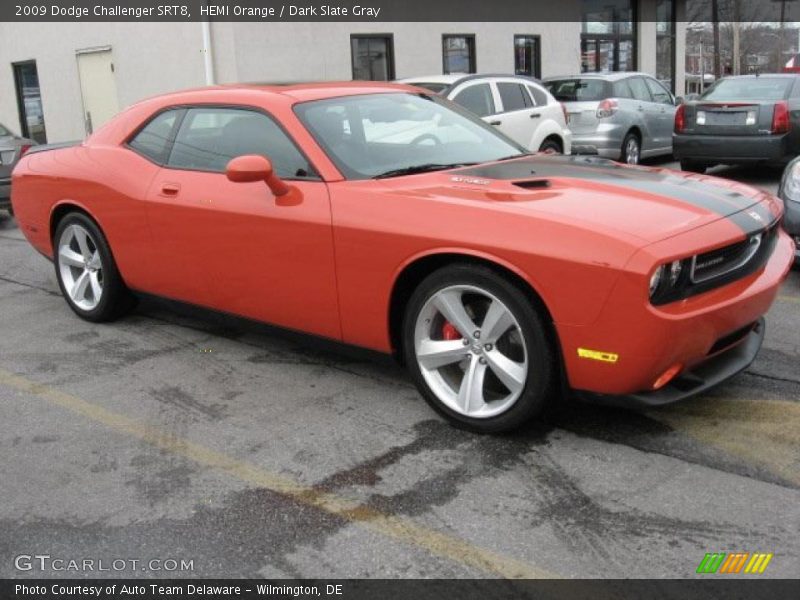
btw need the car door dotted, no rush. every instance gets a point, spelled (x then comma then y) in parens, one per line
(477, 97)
(517, 116)
(236, 247)
(664, 115)
(644, 111)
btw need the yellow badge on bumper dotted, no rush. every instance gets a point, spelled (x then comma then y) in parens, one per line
(598, 355)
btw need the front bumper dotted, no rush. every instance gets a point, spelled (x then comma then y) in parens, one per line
(791, 223)
(5, 193)
(689, 335)
(731, 149)
(701, 378)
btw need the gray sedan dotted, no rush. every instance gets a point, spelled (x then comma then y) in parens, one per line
(623, 116)
(789, 192)
(11, 150)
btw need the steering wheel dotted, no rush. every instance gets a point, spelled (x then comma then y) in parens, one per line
(425, 137)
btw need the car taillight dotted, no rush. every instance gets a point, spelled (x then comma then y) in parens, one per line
(680, 119)
(24, 149)
(780, 117)
(607, 108)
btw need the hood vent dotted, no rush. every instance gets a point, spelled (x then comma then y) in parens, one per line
(533, 184)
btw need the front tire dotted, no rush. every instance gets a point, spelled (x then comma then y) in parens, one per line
(86, 271)
(477, 349)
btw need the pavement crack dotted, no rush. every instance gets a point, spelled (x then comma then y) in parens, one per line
(29, 285)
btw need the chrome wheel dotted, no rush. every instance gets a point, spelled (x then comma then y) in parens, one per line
(471, 351)
(81, 267)
(632, 151)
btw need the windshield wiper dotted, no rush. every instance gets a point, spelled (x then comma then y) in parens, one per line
(423, 168)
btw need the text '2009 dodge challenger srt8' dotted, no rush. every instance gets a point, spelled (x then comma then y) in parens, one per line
(388, 218)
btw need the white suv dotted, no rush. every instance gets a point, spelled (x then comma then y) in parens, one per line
(518, 106)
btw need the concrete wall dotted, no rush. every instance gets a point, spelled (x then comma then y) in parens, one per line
(148, 59)
(153, 58)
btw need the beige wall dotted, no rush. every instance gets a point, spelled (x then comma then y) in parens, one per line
(148, 59)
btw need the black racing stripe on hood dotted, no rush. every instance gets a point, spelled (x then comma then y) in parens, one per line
(709, 197)
(753, 219)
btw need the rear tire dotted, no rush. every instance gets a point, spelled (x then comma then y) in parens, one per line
(478, 350)
(551, 146)
(631, 149)
(86, 271)
(693, 166)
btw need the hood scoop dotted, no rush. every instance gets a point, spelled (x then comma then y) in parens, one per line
(533, 184)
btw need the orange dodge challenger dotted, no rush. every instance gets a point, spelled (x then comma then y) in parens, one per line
(386, 217)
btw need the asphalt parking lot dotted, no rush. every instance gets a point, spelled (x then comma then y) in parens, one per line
(252, 453)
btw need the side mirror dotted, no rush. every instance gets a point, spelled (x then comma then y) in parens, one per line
(252, 167)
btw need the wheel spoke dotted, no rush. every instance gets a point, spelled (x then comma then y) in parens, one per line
(70, 257)
(449, 303)
(433, 354)
(80, 236)
(510, 373)
(94, 261)
(470, 394)
(497, 321)
(97, 288)
(79, 288)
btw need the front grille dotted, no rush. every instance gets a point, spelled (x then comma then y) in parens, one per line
(721, 266)
(716, 263)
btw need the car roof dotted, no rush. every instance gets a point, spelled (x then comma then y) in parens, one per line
(455, 79)
(606, 76)
(289, 92)
(760, 75)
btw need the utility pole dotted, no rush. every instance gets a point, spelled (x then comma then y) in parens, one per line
(715, 25)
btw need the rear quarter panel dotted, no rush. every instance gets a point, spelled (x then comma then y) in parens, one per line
(107, 182)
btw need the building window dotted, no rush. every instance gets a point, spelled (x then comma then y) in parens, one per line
(665, 43)
(458, 53)
(608, 38)
(373, 57)
(528, 55)
(29, 101)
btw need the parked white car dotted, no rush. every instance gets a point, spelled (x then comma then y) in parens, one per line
(520, 107)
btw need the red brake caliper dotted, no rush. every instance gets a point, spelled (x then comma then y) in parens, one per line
(449, 332)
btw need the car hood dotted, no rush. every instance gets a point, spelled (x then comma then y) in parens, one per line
(648, 204)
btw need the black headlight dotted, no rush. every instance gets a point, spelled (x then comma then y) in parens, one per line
(669, 280)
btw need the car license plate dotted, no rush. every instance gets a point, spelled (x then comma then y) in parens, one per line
(726, 118)
(6, 157)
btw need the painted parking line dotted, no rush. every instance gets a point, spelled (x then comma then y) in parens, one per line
(789, 299)
(398, 528)
(765, 433)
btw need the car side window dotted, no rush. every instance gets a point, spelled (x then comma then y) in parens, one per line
(539, 96)
(513, 96)
(209, 138)
(477, 99)
(622, 89)
(153, 139)
(639, 89)
(659, 92)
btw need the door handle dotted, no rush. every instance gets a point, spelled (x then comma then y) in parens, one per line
(170, 190)
(640, 108)
(495, 122)
(535, 115)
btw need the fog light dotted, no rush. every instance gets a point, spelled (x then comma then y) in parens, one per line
(667, 376)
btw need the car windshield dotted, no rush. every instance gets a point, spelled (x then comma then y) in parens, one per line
(750, 88)
(3, 131)
(578, 90)
(384, 135)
